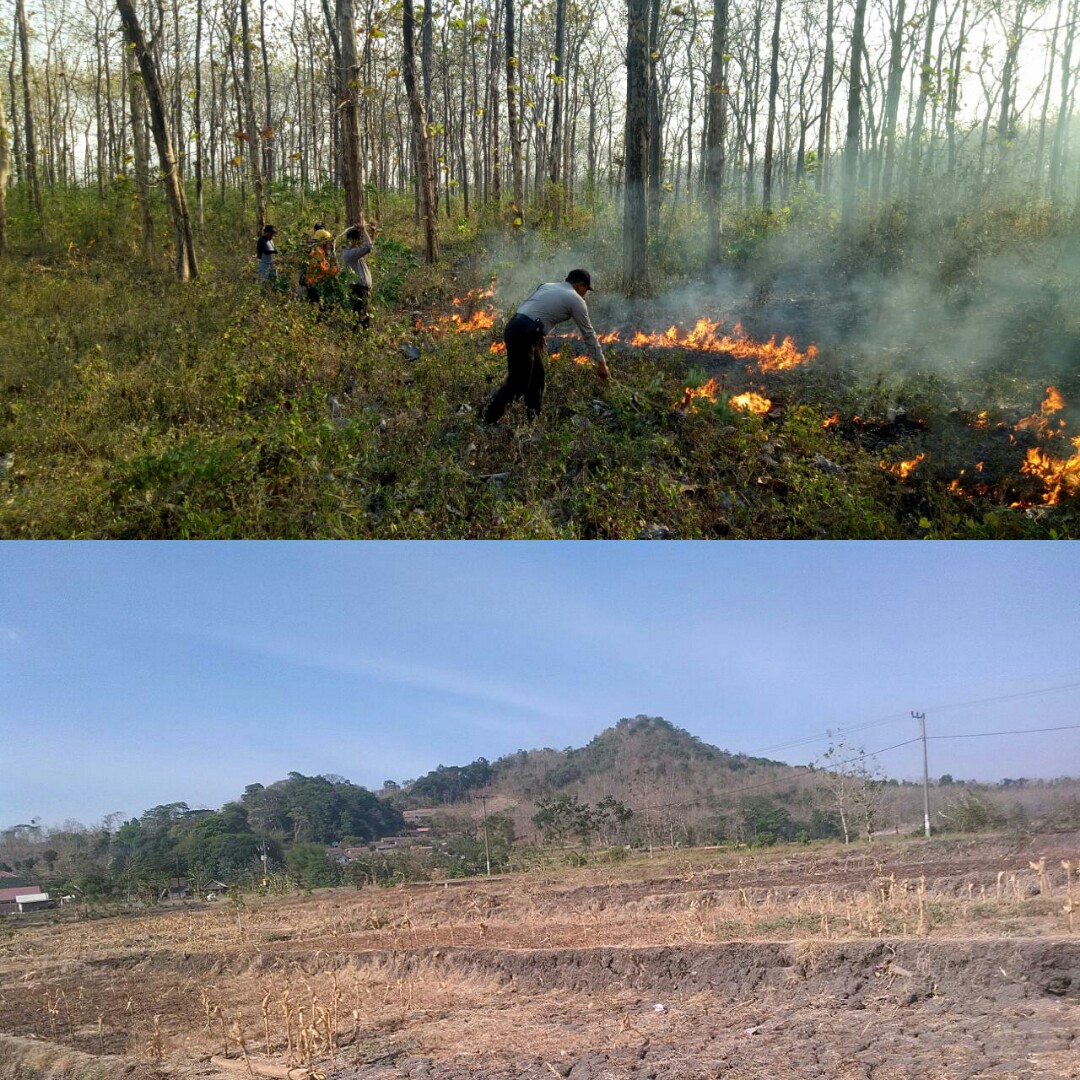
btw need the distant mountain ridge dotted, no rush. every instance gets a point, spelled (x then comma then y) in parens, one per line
(638, 756)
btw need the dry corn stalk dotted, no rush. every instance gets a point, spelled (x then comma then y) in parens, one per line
(266, 1021)
(238, 1036)
(924, 914)
(154, 1047)
(1045, 888)
(1069, 906)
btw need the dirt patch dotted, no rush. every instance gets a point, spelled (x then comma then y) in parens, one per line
(951, 963)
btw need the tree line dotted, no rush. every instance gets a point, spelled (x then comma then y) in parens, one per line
(246, 839)
(528, 110)
(316, 830)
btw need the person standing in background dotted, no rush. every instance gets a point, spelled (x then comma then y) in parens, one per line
(265, 251)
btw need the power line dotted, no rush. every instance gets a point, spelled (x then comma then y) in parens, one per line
(777, 781)
(1020, 731)
(851, 728)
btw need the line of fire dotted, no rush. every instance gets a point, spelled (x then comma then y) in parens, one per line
(1030, 460)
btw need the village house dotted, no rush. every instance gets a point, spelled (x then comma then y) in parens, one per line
(37, 901)
(24, 898)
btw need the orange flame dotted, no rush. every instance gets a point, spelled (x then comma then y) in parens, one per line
(709, 391)
(498, 346)
(1060, 475)
(751, 402)
(902, 469)
(831, 421)
(478, 320)
(475, 294)
(705, 337)
(481, 319)
(1040, 422)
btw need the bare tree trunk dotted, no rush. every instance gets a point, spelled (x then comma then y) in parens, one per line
(513, 120)
(854, 119)
(655, 150)
(428, 207)
(142, 156)
(635, 220)
(187, 265)
(1058, 143)
(770, 124)
(114, 155)
(18, 158)
(5, 172)
(555, 146)
(925, 87)
(427, 75)
(716, 128)
(198, 114)
(254, 138)
(29, 140)
(349, 108)
(892, 96)
(952, 105)
(269, 140)
(179, 142)
(827, 64)
(1040, 154)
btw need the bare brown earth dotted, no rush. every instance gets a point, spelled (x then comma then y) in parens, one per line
(905, 960)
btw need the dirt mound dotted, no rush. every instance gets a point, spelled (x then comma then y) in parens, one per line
(30, 1059)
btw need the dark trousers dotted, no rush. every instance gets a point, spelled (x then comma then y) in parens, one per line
(524, 338)
(361, 298)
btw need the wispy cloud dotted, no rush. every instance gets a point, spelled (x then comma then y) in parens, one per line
(9, 635)
(417, 674)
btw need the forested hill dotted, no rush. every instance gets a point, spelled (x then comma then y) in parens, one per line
(635, 758)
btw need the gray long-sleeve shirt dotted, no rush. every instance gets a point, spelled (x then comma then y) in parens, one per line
(355, 258)
(556, 302)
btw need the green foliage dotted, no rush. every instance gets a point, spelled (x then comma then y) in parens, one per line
(310, 865)
(561, 817)
(321, 809)
(766, 821)
(450, 784)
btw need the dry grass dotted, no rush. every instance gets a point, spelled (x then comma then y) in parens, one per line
(345, 979)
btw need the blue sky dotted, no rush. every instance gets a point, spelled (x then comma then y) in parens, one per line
(137, 674)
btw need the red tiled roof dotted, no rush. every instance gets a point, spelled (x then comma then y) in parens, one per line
(7, 895)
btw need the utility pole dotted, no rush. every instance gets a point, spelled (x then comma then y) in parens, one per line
(487, 849)
(921, 717)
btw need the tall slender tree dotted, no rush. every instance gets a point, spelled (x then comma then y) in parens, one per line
(5, 172)
(892, 96)
(349, 108)
(716, 127)
(421, 137)
(29, 135)
(635, 218)
(770, 124)
(187, 263)
(252, 133)
(141, 156)
(513, 105)
(854, 119)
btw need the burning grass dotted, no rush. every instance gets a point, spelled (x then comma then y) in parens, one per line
(218, 411)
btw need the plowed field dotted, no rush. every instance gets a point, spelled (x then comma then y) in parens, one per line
(905, 960)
